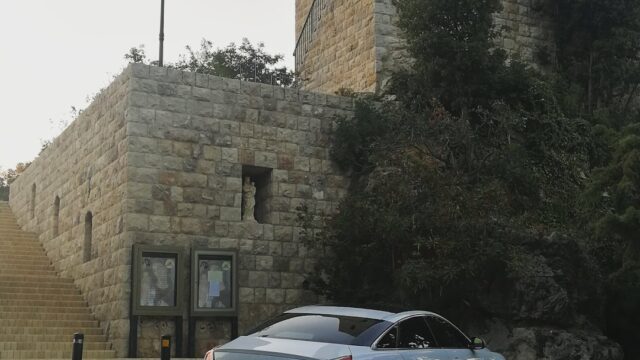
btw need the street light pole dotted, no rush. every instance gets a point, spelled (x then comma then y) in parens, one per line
(160, 60)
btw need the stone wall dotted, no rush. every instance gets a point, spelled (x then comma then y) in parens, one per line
(85, 167)
(343, 54)
(525, 29)
(302, 10)
(164, 153)
(356, 35)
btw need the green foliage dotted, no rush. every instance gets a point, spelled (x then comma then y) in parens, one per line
(457, 62)
(8, 176)
(481, 155)
(612, 199)
(247, 62)
(623, 309)
(435, 197)
(136, 55)
(598, 57)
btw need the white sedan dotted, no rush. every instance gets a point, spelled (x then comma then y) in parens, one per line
(343, 333)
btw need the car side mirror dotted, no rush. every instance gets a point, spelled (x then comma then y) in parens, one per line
(477, 344)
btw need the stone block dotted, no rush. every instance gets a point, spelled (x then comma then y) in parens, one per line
(159, 224)
(264, 263)
(258, 279)
(230, 214)
(275, 296)
(266, 159)
(230, 155)
(246, 295)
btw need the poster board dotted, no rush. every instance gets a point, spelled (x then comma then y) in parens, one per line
(157, 284)
(214, 283)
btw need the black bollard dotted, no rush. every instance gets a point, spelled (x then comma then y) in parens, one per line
(165, 349)
(78, 342)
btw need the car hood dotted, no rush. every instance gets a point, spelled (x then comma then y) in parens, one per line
(298, 348)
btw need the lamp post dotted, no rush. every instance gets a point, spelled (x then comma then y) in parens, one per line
(160, 59)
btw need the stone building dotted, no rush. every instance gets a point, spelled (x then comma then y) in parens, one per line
(160, 156)
(158, 159)
(355, 44)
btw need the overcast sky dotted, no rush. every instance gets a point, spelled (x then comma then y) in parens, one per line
(54, 53)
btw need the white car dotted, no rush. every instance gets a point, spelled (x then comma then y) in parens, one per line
(344, 333)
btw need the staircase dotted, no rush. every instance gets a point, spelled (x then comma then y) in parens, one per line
(40, 311)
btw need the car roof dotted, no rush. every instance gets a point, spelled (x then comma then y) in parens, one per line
(356, 312)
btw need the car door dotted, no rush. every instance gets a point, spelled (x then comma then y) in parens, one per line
(452, 340)
(412, 340)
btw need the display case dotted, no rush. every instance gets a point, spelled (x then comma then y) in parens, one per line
(157, 287)
(214, 284)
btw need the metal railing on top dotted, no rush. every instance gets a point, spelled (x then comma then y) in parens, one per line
(309, 30)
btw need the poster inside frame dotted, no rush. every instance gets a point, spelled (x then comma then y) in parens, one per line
(157, 287)
(214, 282)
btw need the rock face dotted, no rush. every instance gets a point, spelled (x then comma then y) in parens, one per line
(550, 308)
(546, 343)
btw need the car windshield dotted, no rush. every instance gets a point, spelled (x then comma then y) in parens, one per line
(333, 329)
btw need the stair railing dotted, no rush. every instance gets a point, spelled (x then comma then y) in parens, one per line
(311, 24)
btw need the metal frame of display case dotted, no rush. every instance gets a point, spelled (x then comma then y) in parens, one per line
(176, 311)
(199, 313)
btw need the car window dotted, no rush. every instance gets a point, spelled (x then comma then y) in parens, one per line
(321, 328)
(389, 340)
(414, 334)
(446, 334)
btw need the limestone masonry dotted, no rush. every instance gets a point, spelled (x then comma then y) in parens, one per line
(356, 45)
(158, 159)
(160, 156)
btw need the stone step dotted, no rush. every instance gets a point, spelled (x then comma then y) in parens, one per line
(30, 257)
(38, 286)
(16, 235)
(44, 316)
(29, 271)
(39, 330)
(26, 262)
(39, 310)
(7, 251)
(10, 292)
(26, 308)
(49, 323)
(45, 354)
(32, 298)
(42, 313)
(25, 278)
(35, 269)
(51, 338)
(30, 344)
(20, 245)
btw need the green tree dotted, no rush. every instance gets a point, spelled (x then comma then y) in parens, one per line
(247, 62)
(455, 186)
(598, 57)
(8, 176)
(456, 60)
(136, 55)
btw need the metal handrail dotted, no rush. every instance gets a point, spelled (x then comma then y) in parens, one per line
(303, 44)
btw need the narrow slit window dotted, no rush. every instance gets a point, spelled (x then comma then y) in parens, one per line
(88, 234)
(56, 216)
(33, 201)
